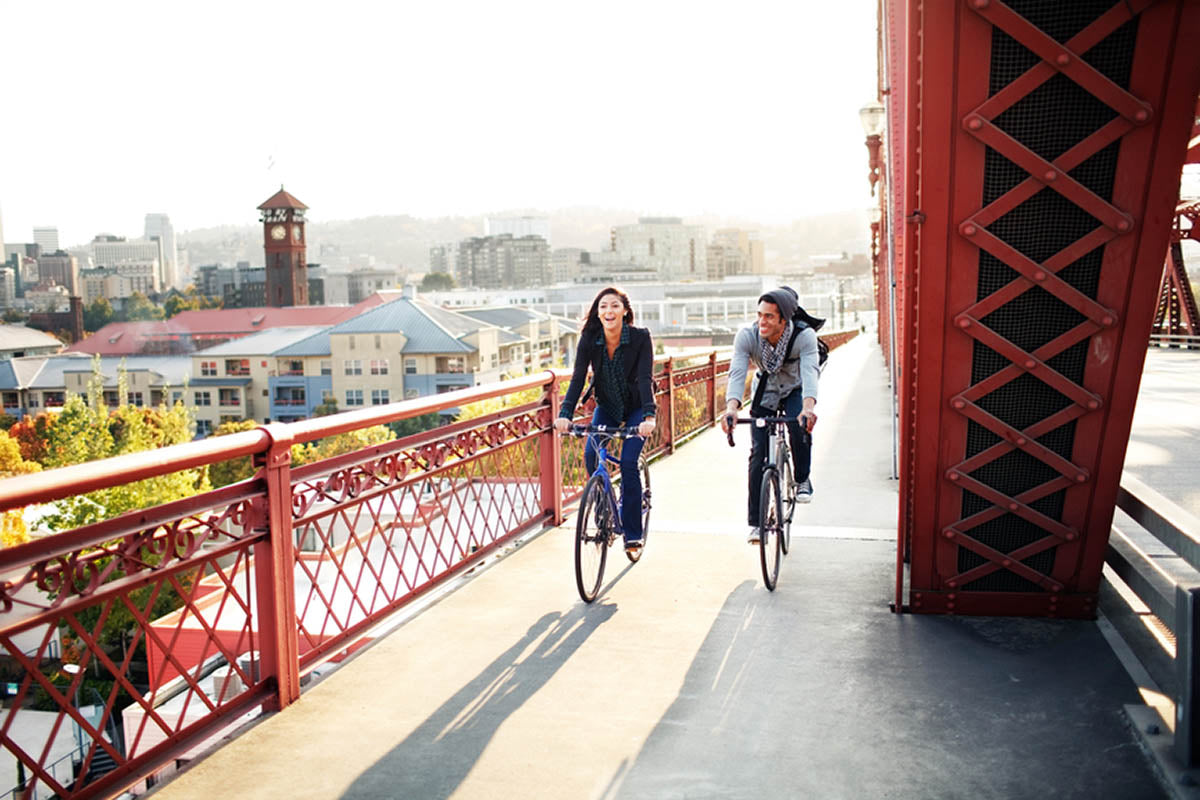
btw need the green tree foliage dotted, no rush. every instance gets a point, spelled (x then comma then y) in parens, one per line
(235, 469)
(437, 282)
(97, 314)
(139, 307)
(191, 299)
(326, 408)
(12, 316)
(88, 431)
(332, 446)
(411, 425)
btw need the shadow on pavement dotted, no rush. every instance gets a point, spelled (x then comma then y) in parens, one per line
(433, 760)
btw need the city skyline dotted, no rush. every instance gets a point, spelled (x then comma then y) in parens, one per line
(431, 112)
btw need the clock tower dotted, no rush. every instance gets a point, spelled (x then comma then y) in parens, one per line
(285, 245)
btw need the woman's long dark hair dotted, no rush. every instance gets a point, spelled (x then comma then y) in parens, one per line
(591, 323)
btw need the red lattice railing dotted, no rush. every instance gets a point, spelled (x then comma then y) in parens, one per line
(226, 599)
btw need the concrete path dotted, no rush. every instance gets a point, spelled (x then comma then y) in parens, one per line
(687, 679)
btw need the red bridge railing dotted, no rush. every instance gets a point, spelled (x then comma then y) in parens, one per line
(178, 621)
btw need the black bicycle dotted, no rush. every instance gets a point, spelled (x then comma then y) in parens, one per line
(777, 495)
(599, 522)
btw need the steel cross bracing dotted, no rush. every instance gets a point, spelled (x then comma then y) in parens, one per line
(1034, 167)
(1176, 314)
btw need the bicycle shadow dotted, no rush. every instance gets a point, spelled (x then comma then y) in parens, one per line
(433, 760)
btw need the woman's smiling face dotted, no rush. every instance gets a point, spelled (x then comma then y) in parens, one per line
(612, 312)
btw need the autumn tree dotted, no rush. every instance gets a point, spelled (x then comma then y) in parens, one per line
(341, 443)
(235, 469)
(12, 522)
(32, 433)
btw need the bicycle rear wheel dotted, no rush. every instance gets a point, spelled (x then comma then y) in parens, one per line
(644, 469)
(788, 490)
(591, 538)
(771, 524)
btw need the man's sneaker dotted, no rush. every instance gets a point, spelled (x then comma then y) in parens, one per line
(633, 545)
(804, 491)
(755, 537)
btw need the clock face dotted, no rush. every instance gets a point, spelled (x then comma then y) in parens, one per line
(278, 233)
(296, 232)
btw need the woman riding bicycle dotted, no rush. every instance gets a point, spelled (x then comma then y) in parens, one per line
(621, 358)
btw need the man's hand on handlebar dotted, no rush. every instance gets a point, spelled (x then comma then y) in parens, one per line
(646, 427)
(562, 425)
(808, 417)
(729, 418)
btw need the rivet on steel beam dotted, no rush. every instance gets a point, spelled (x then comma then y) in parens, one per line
(959, 403)
(1007, 562)
(949, 605)
(1081, 477)
(1070, 537)
(969, 229)
(1050, 175)
(1054, 587)
(974, 123)
(1040, 275)
(951, 596)
(949, 534)
(1013, 506)
(1030, 363)
(952, 476)
(1141, 115)
(1062, 59)
(1021, 440)
(952, 584)
(980, 3)
(1107, 320)
(1093, 404)
(964, 322)
(917, 595)
(1124, 225)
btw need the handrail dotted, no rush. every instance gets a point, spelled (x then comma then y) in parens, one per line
(1175, 602)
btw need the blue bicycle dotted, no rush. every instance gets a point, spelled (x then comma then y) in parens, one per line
(599, 522)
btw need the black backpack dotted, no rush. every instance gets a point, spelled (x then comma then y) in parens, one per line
(800, 315)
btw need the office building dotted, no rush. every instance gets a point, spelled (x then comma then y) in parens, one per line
(158, 228)
(46, 237)
(517, 227)
(62, 268)
(676, 252)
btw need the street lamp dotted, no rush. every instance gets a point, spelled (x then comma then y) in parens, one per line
(73, 670)
(871, 116)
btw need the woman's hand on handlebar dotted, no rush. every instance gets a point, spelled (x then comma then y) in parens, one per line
(646, 427)
(562, 424)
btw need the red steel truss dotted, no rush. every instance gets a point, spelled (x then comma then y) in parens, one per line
(1176, 315)
(1044, 144)
(236, 594)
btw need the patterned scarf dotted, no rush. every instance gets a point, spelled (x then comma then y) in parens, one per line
(772, 355)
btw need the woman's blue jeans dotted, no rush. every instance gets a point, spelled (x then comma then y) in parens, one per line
(631, 477)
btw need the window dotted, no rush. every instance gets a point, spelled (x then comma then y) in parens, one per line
(230, 397)
(290, 367)
(237, 366)
(444, 389)
(176, 397)
(230, 418)
(326, 367)
(354, 397)
(378, 341)
(410, 366)
(134, 399)
(110, 397)
(203, 428)
(54, 399)
(208, 369)
(353, 367)
(451, 364)
(33, 400)
(379, 397)
(10, 400)
(327, 396)
(379, 366)
(351, 338)
(203, 399)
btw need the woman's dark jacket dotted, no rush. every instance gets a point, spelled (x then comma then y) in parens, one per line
(639, 364)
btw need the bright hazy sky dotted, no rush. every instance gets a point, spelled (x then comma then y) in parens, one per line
(116, 109)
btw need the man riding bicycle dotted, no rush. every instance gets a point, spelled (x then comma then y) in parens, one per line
(783, 345)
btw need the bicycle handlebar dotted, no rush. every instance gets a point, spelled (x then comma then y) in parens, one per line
(762, 422)
(579, 431)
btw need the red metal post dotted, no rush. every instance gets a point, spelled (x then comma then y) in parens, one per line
(712, 385)
(274, 565)
(550, 452)
(669, 374)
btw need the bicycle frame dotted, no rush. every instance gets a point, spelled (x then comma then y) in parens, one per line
(601, 435)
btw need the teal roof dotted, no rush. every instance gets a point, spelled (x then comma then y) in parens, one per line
(428, 328)
(315, 345)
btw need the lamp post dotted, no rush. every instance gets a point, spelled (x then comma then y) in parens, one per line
(871, 117)
(73, 670)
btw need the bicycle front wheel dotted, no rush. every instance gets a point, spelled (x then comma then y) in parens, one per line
(591, 538)
(771, 524)
(644, 469)
(788, 490)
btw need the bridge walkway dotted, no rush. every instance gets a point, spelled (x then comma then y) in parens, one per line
(687, 679)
